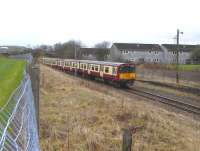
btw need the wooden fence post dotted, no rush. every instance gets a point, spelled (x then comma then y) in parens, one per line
(127, 140)
(127, 137)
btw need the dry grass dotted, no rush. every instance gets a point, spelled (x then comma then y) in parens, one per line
(78, 115)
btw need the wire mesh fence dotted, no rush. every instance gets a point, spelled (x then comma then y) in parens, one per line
(18, 128)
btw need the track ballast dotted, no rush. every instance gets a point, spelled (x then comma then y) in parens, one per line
(169, 101)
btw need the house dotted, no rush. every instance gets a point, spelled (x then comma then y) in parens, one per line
(3, 49)
(185, 52)
(137, 52)
(94, 53)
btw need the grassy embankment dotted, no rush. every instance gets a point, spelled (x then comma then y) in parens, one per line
(11, 74)
(182, 67)
(82, 116)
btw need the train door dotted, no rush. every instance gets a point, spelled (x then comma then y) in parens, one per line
(101, 71)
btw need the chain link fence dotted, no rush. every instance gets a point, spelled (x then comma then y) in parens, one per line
(18, 127)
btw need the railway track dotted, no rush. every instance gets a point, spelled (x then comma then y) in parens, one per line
(187, 89)
(169, 101)
(165, 100)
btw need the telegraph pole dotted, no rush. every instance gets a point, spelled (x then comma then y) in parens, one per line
(177, 57)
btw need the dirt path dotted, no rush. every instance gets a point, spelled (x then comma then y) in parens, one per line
(78, 115)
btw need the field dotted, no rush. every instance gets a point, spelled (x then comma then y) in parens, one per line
(11, 74)
(185, 67)
(77, 115)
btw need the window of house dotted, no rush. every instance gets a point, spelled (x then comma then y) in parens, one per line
(174, 52)
(106, 69)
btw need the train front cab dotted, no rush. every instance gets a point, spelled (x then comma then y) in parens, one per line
(126, 74)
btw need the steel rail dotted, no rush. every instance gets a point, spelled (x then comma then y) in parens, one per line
(169, 101)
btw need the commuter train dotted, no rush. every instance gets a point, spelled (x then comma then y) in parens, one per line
(122, 74)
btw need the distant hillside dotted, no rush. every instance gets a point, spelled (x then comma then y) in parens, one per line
(12, 49)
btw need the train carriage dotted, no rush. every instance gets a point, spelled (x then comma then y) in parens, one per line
(121, 73)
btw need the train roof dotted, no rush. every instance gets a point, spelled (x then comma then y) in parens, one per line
(96, 62)
(102, 62)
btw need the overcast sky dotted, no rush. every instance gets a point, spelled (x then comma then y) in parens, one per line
(34, 22)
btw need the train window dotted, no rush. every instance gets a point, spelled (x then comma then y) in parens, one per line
(81, 66)
(96, 68)
(85, 66)
(106, 69)
(101, 68)
(114, 70)
(92, 67)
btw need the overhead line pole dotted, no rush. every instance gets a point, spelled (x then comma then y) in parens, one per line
(75, 59)
(177, 57)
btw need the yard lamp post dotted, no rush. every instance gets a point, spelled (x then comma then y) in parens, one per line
(177, 55)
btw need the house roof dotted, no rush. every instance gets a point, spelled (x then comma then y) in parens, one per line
(93, 50)
(173, 47)
(138, 46)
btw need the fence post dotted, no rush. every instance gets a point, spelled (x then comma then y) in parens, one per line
(127, 137)
(127, 140)
(35, 80)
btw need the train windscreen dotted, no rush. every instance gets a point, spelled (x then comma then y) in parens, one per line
(126, 69)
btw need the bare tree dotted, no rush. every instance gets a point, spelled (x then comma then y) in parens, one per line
(104, 44)
(67, 49)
